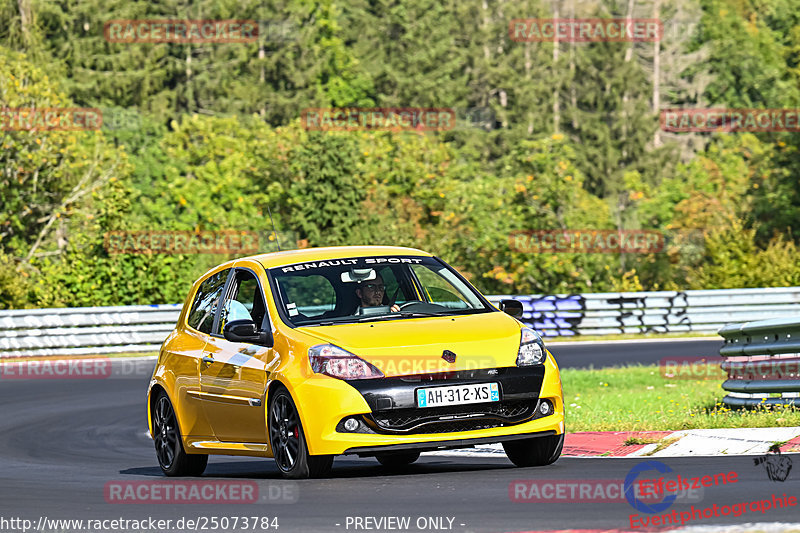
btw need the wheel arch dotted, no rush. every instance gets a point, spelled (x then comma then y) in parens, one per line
(273, 386)
(152, 394)
(281, 382)
(155, 389)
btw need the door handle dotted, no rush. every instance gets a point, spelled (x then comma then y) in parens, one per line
(208, 358)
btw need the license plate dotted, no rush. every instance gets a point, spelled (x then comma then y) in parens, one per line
(458, 395)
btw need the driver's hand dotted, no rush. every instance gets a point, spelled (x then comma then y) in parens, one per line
(395, 308)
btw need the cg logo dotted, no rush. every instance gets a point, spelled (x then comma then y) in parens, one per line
(630, 495)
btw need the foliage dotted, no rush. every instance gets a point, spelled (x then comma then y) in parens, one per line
(206, 136)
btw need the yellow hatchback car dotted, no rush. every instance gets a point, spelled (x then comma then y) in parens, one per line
(370, 350)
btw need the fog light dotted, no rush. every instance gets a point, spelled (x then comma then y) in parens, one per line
(351, 424)
(545, 408)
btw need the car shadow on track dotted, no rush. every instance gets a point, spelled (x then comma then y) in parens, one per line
(343, 468)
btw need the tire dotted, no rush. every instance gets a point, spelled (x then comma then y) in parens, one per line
(172, 458)
(288, 440)
(538, 451)
(397, 459)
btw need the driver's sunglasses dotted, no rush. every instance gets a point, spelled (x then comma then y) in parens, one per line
(375, 287)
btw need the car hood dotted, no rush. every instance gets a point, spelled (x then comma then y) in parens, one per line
(416, 345)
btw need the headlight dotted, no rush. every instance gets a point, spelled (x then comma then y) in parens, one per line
(335, 362)
(531, 348)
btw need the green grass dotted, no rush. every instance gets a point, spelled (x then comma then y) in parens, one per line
(662, 444)
(630, 441)
(639, 398)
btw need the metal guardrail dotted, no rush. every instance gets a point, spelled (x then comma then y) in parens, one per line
(142, 328)
(85, 330)
(702, 311)
(762, 360)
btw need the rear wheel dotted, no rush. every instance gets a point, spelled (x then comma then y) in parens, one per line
(172, 458)
(538, 451)
(397, 459)
(288, 441)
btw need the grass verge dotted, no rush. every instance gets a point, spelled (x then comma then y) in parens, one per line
(643, 398)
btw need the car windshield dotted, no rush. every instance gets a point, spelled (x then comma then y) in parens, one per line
(363, 289)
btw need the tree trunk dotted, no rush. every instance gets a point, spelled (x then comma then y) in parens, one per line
(556, 106)
(625, 96)
(573, 97)
(24, 7)
(656, 75)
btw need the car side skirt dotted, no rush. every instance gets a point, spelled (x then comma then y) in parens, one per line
(215, 447)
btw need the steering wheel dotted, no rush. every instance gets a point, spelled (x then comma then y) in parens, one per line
(412, 302)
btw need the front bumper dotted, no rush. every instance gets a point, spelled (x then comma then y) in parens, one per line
(395, 411)
(390, 420)
(444, 445)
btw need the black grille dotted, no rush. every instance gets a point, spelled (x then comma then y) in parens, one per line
(452, 427)
(454, 418)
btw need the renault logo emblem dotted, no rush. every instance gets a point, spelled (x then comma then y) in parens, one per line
(449, 356)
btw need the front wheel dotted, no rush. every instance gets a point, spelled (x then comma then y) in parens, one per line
(288, 441)
(172, 458)
(538, 451)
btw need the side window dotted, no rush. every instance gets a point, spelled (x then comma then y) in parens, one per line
(245, 301)
(309, 296)
(204, 307)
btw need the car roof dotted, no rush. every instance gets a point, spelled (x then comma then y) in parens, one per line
(290, 257)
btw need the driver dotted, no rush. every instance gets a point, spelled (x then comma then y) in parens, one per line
(371, 294)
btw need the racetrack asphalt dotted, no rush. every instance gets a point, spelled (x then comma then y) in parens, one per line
(62, 442)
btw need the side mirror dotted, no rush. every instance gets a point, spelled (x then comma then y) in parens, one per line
(511, 307)
(246, 331)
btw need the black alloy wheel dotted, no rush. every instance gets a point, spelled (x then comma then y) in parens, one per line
(288, 442)
(172, 458)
